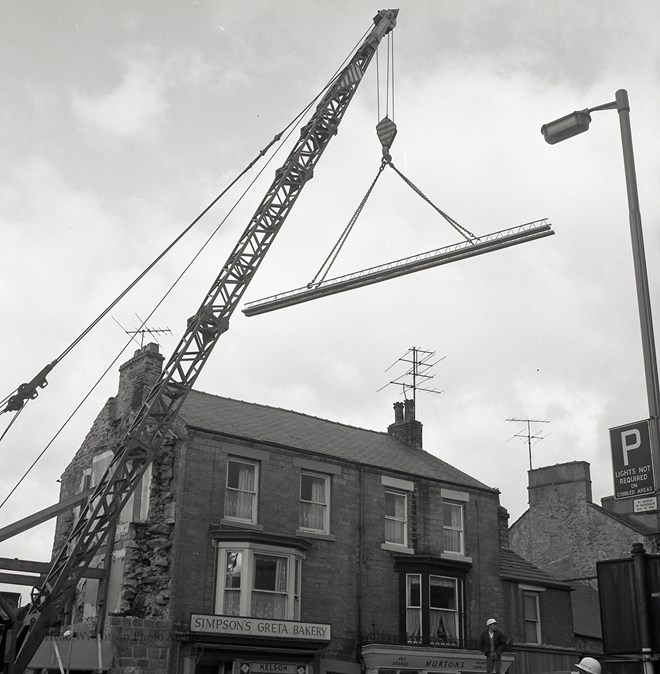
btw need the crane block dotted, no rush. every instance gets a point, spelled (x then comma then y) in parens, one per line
(386, 131)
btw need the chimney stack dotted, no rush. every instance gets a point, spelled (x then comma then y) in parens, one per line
(136, 378)
(405, 427)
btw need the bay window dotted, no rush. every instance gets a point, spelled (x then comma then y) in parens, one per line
(258, 579)
(432, 610)
(413, 607)
(443, 608)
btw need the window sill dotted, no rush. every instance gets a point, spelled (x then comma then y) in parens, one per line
(241, 525)
(315, 534)
(393, 547)
(455, 557)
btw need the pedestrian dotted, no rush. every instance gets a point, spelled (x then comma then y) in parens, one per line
(588, 666)
(492, 643)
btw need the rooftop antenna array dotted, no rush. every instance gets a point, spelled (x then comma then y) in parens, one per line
(420, 364)
(143, 330)
(529, 435)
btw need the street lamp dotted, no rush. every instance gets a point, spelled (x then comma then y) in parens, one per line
(555, 132)
(576, 123)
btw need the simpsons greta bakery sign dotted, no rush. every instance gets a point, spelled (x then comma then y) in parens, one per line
(258, 627)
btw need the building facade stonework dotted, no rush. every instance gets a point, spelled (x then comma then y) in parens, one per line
(564, 533)
(264, 540)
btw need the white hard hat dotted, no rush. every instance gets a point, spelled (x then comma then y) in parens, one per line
(492, 621)
(589, 665)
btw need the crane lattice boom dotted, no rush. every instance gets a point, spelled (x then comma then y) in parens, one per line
(156, 417)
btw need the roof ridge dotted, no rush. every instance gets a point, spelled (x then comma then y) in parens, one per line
(623, 518)
(308, 432)
(301, 414)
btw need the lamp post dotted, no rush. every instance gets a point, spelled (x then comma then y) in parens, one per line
(571, 125)
(566, 127)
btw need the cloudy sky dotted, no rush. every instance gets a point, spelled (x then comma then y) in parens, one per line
(121, 121)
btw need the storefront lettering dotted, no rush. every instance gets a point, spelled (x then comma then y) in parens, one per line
(446, 664)
(252, 626)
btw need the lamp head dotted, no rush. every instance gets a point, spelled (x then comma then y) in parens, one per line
(566, 127)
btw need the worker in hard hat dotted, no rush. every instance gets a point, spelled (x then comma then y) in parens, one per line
(492, 642)
(588, 666)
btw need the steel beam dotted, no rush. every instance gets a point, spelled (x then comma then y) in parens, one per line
(433, 258)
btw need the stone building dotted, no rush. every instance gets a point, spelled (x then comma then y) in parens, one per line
(265, 540)
(565, 533)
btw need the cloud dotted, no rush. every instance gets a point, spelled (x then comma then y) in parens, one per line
(135, 107)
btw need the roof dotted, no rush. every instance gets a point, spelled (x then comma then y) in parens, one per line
(276, 426)
(517, 568)
(627, 521)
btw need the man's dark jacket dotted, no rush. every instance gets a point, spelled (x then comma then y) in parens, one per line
(499, 642)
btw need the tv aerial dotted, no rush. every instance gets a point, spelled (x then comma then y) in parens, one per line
(531, 437)
(417, 376)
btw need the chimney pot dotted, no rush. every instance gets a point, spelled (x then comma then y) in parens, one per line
(409, 406)
(398, 412)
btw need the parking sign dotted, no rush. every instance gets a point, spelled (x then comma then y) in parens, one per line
(632, 460)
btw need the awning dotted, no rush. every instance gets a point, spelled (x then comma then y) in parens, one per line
(427, 659)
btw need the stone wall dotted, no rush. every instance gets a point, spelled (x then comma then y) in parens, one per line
(144, 546)
(563, 532)
(140, 646)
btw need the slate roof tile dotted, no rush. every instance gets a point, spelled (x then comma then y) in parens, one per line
(515, 567)
(276, 426)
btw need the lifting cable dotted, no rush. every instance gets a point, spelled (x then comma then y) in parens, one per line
(466, 233)
(15, 400)
(155, 308)
(323, 271)
(28, 391)
(330, 260)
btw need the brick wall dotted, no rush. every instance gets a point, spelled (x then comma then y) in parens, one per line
(336, 573)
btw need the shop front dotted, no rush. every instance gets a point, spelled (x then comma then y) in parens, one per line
(220, 644)
(380, 659)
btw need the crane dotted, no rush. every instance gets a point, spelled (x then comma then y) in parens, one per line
(154, 421)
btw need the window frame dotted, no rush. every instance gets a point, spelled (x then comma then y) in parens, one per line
(255, 494)
(412, 638)
(404, 495)
(249, 550)
(533, 621)
(457, 593)
(326, 512)
(448, 528)
(427, 567)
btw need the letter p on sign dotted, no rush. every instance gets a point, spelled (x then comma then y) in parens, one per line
(630, 439)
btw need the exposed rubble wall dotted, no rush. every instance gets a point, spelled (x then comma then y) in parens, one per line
(137, 590)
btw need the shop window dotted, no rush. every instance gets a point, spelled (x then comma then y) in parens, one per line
(241, 491)
(315, 502)
(258, 581)
(452, 527)
(396, 517)
(531, 617)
